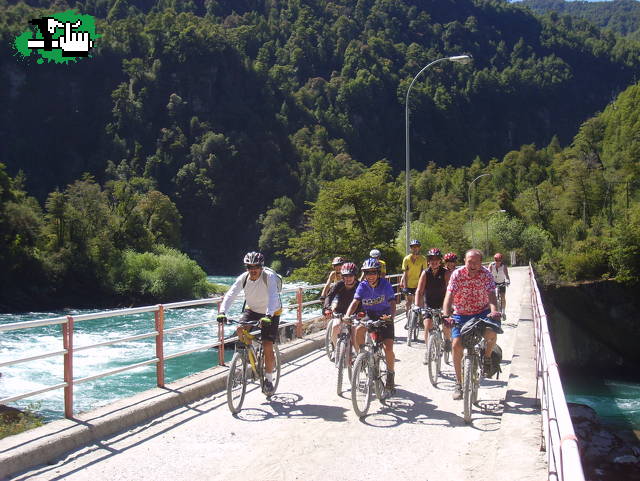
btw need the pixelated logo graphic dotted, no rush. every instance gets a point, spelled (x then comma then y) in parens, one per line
(61, 38)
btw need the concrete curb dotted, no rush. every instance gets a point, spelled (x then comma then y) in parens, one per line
(49, 442)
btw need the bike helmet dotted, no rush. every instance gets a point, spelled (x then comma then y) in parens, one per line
(371, 264)
(414, 242)
(498, 256)
(375, 253)
(349, 268)
(254, 258)
(450, 257)
(337, 261)
(435, 252)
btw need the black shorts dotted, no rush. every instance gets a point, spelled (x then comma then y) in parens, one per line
(267, 332)
(411, 290)
(388, 331)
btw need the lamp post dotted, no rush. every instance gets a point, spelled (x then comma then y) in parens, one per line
(458, 59)
(473, 240)
(487, 224)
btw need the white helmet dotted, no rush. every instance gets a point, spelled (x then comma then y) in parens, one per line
(374, 253)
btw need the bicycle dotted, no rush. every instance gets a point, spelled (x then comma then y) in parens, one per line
(344, 350)
(368, 373)
(329, 347)
(472, 334)
(248, 361)
(500, 292)
(435, 346)
(414, 318)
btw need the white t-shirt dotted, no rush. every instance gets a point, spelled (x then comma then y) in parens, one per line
(499, 274)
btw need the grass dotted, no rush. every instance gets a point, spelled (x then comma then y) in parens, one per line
(14, 421)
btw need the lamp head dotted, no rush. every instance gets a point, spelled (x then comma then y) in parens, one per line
(463, 59)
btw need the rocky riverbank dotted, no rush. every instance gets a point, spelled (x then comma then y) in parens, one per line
(608, 454)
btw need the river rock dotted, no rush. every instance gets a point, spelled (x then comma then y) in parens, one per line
(605, 454)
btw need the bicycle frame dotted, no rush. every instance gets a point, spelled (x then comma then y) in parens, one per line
(246, 340)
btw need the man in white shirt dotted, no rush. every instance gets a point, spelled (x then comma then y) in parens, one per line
(262, 303)
(501, 276)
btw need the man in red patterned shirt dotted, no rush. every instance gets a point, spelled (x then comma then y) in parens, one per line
(471, 291)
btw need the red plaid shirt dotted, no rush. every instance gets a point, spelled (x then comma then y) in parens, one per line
(470, 294)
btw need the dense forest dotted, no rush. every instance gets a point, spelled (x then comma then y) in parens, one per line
(621, 16)
(212, 128)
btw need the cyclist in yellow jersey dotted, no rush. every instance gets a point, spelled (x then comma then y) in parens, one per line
(412, 267)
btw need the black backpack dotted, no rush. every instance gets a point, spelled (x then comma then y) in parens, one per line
(496, 359)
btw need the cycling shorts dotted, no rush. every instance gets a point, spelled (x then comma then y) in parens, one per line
(502, 288)
(387, 331)
(460, 320)
(411, 291)
(268, 332)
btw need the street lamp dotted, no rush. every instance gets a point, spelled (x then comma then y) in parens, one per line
(458, 59)
(473, 240)
(487, 224)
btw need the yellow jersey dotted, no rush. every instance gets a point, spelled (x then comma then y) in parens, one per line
(413, 269)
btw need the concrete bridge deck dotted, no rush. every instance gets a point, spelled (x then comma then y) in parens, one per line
(307, 432)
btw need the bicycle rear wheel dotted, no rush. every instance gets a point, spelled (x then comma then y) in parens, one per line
(381, 380)
(361, 385)
(236, 382)
(433, 359)
(467, 386)
(275, 372)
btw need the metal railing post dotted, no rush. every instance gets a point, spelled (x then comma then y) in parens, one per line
(299, 301)
(67, 342)
(221, 340)
(159, 316)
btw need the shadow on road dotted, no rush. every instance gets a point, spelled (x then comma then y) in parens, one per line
(289, 405)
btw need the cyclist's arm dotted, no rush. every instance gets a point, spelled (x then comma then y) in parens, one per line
(330, 296)
(446, 305)
(352, 307)
(493, 303)
(506, 274)
(273, 304)
(402, 280)
(393, 308)
(231, 294)
(327, 284)
(422, 285)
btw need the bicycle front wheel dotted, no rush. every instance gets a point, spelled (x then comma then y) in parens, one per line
(236, 382)
(433, 359)
(341, 360)
(467, 386)
(381, 379)
(411, 325)
(328, 343)
(361, 385)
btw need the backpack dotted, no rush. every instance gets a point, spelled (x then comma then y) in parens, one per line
(496, 358)
(265, 272)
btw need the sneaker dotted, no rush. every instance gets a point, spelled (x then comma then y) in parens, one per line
(457, 392)
(425, 360)
(268, 387)
(486, 366)
(447, 345)
(390, 385)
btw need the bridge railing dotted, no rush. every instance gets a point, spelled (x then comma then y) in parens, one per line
(558, 436)
(68, 349)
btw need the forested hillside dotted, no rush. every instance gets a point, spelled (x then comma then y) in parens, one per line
(621, 16)
(237, 113)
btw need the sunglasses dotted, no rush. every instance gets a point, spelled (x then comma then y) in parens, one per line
(253, 267)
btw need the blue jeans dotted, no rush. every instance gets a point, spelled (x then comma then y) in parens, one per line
(461, 319)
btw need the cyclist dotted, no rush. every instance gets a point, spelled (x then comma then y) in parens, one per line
(378, 299)
(262, 303)
(501, 276)
(450, 261)
(375, 254)
(432, 288)
(412, 266)
(334, 276)
(471, 292)
(340, 296)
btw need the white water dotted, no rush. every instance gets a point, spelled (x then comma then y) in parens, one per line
(41, 373)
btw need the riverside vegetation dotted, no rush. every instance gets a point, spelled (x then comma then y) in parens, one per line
(216, 127)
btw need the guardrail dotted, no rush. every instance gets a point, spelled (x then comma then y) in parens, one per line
(68, 348)
(558, 436)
